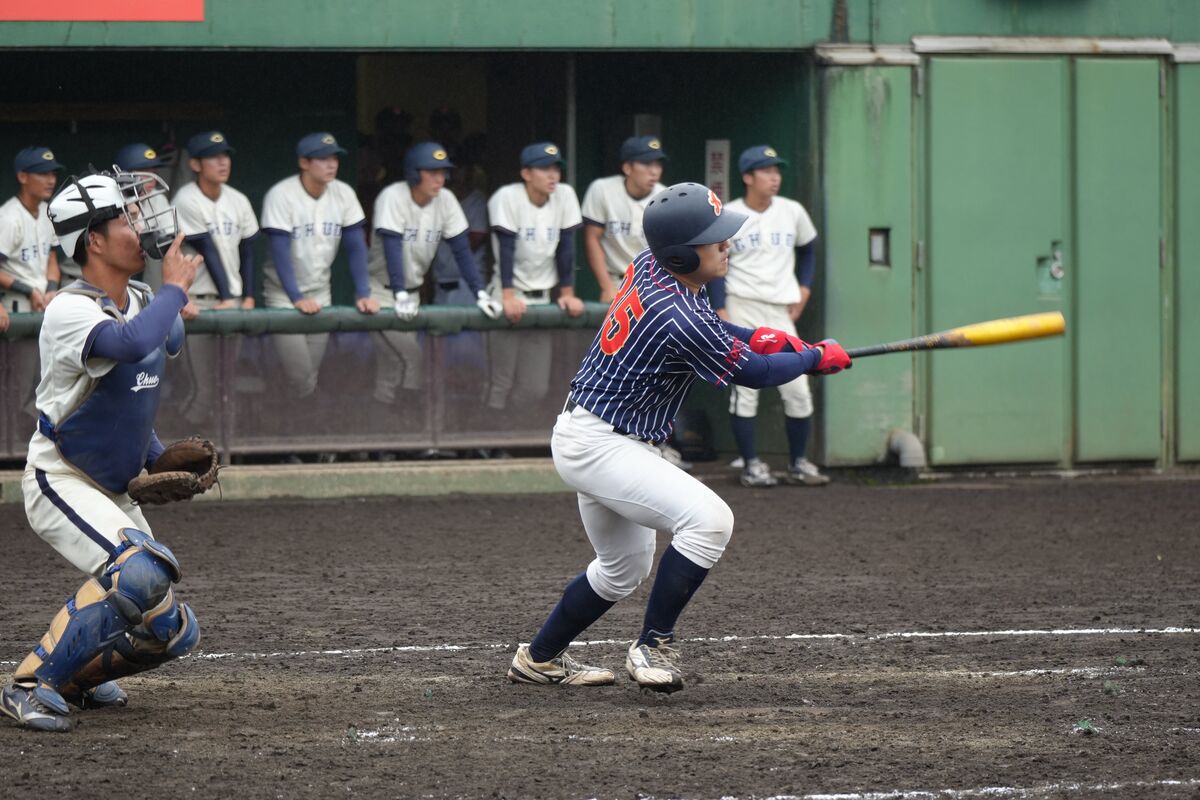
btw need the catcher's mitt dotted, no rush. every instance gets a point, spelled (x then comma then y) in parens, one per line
(185, 469)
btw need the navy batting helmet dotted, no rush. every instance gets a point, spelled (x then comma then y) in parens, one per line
(682, 216)
(426, 155)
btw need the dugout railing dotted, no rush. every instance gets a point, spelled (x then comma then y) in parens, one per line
(229, 385)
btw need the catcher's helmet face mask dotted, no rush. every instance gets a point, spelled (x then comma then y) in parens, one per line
(139, 197)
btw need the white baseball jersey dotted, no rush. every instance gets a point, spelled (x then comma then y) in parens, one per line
(422, 227)
(66, 377)
(607, 203)
(315, 224)
(26, 242)
(537, 230)
(227, 220)
(762, 256)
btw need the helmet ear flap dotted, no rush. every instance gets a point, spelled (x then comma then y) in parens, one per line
(678, 258)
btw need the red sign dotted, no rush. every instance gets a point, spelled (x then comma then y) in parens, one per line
(102, 11)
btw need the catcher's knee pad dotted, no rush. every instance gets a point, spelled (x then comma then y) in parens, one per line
(702, 536)
(123, 622)
(617, 578)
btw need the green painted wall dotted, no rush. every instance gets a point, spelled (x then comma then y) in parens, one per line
(867, 183)
(1187, 306)
(614, 24)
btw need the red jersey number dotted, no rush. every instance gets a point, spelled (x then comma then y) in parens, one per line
(625, 310)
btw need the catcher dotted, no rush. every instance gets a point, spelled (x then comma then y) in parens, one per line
(103, 344)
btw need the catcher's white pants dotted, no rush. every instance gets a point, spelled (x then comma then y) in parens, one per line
(797, 397)
(74, 517)
(627, 492)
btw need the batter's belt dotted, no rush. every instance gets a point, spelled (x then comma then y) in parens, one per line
(571, 405)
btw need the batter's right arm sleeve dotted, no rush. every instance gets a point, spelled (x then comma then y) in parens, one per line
(281, 255)
(143, 334)
(508, 249)
(212, 262)
(759, 371)
(246, 256)
(393, 254)
(716, 295)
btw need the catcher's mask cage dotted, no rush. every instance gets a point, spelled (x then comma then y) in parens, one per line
(148, 210)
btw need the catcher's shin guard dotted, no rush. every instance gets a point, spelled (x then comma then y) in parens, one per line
(123, 622)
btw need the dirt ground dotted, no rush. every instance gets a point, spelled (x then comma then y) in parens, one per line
(422, 602)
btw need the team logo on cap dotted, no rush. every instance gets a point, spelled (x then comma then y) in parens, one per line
(715, 202)
(653, 144)
(551, 150)
(769, 152)
(439, 155)
(149, 154)
(47, 156)
(216, 138)
(327, 139)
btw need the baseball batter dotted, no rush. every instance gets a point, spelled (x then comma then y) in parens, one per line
(613, 209)
(411, 220)
(103, 343)
(306, 217)
(29, 274)
(660, 334)
(771, 265)
(533, 239)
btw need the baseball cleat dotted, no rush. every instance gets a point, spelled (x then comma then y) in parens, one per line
(560, 670)
(803, 471)
(106, 695)
(655, 668)
(758, 474)
(39, 709)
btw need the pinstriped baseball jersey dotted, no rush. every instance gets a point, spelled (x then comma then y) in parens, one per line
(657, 338)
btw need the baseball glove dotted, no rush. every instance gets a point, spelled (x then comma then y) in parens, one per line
(185, 469)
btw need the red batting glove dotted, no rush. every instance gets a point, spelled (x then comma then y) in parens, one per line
(767, 341)
(833, 358)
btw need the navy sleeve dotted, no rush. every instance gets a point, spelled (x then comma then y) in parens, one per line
(508, 249)
(143, 334)
(354, 239)
(212, 262)
(759, 371)
(246, 256)
(716, 293)
(467, 268)
(156, 449)
(564, 257)
(738, 332)
(393, 254)
(281, 254)
(806, 263)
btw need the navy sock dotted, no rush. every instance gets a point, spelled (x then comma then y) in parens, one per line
(743, 434)
(677, 580)
(797, 435)
(579, 607)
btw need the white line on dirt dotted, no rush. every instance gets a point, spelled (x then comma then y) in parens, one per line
(993, 791)
(864, 637)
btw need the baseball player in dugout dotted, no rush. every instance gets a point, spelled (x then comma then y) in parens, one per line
(29, 273)
(306, 217)
(771, 265)
(660, 334)
(412, 217)
(103, 344)
(533, 237)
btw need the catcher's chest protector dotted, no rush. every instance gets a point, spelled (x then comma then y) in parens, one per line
(108, 436)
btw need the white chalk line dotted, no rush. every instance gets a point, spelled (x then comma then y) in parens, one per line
(992, 791)
(864, 637)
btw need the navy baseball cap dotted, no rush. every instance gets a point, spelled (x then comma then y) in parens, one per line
(138, 155)
(642, 148)
(757, 157)
(208, 144)
(35, 159)
(319, 145)
(542, 154)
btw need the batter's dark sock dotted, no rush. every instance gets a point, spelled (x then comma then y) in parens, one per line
(579, 607)
(798, 429)
(677, 580)
(743, 434)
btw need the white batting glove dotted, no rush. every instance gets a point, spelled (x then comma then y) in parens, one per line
(406, 305)
(490, 308)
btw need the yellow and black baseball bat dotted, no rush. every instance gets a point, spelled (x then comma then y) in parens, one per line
(996, 331)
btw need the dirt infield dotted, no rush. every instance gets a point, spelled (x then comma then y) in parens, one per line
(825, 654)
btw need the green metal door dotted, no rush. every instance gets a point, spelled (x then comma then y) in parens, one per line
(1187, 341)
(1118, 196)
(997, 142)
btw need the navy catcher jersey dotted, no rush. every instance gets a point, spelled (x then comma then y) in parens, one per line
(656, 339)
